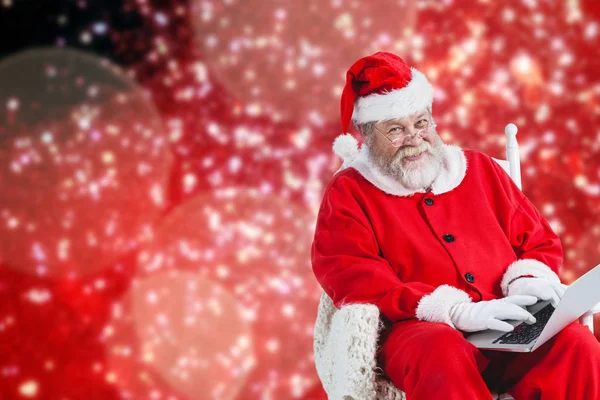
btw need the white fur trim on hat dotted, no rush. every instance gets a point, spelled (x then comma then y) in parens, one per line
(399, 103)
(527, 267)
(435, 307)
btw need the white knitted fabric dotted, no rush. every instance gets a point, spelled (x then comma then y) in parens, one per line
(345, 347)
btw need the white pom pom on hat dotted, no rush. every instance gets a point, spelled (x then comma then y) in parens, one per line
(345, 146)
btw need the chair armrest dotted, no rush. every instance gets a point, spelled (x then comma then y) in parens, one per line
(345, 347)
(587, 319)
(595, 309)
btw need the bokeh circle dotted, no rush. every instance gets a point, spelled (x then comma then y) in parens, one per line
(84, 160)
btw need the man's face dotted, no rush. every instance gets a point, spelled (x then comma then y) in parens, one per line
(418, 160)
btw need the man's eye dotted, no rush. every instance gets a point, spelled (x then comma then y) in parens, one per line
(394, 130)
(422, 122)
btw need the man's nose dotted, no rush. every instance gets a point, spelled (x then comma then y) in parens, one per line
(413, 139)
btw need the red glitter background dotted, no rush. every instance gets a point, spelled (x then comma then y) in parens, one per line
(163, 163)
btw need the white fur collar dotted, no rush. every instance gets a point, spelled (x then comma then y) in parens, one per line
(453, 170)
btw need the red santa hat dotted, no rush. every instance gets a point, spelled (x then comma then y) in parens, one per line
(381, 87)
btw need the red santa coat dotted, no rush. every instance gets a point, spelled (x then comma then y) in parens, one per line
(414, 254)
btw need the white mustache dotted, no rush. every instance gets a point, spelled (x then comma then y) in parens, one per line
(414, 150)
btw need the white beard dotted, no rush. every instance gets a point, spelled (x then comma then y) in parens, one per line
(422, 177)
(419, 174)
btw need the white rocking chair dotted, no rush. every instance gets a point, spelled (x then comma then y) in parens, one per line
(349, 335)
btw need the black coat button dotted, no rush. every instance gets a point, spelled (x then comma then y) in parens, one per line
(448, 238)
(429, 201)
(469, 277)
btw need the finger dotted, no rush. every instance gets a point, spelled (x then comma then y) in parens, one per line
(543, 292)
(559, 288)
(546, 292)
(555, 299)
(550, 293)
(521, 299)
(514, 312)
(500, 325)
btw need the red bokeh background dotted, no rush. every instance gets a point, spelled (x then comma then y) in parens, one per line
(162, 164)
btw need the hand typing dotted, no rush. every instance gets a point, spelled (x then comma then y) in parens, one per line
(541, 288)
(471, 317)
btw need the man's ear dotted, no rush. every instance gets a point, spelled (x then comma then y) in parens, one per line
(363, 135)
(367, 135)
(361, 130)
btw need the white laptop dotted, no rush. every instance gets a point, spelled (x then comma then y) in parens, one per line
(580, 297)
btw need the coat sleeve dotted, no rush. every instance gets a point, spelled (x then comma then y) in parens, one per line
(538, 248)
(347, 263)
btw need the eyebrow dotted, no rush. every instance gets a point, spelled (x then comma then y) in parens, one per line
(394, 122)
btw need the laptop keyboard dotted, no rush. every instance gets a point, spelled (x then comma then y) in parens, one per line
(524, 333)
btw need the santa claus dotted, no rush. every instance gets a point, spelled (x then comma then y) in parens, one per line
(443, 242)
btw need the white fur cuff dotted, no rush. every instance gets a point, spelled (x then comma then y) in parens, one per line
(435, 307)
(527, 267)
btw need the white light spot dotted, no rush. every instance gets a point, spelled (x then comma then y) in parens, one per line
(12, 223)
(84, 123)
(211, 41)
(161, 19)
(111, 377)
(565, 59)
(542, 113)
(591, 30)
(508, 14)
(108, 157)
(189, 182)
(162, 319)
(272, 345)
(523, 63)
(38, 296)
(29, 388)
(288, 310)
(46, 137)
(280, 14)
(12, 104)
(85, 37)
(152, 297)
(222, 271)
(100, 28)
(234, 164)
